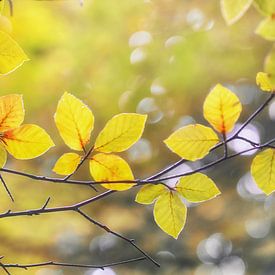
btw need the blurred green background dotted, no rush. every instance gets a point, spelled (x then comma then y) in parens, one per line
(159, 57)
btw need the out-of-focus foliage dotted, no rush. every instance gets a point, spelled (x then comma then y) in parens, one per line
(12, 56)
(267, 29)
(233, 10)
(264, 81)
(158, 58)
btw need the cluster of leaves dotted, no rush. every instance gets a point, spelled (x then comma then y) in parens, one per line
(232, 11)
(25, 141)
(75, 122)
(221, 109)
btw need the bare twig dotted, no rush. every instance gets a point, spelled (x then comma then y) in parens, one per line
(6, 187)
(76, 208)
(50, 263)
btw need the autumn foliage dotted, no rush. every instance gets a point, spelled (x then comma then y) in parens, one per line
(109, 168)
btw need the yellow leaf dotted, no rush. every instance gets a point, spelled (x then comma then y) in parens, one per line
(264, 82)
(263, 170)
(3, 156)
(192, 142)
(67, 164)
(120, 133)
(149, 193)
(266, 29)
(74, 120)
(11, 112)
(105, 167)
(2, 6)
(170, 214)
(27, 142)
(11, 55)
(269, 66)
(233, 10)
(267, 7)
(222, 109)
(197, 188)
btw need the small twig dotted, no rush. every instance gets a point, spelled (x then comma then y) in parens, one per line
(248, 141)
(81, 162)
(253, 115)
(6, 188)
(11, 7)
(225, 152)
(107, 229)
(46, 203)
(4, 268)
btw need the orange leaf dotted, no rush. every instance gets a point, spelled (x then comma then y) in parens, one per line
(11, 112)
(222, 109)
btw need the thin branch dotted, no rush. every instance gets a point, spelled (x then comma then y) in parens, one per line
(211, 164)
(248, 141)
(253, 115)
(107, 229)
(5, 269)
(46, 203)
(26, 266)
(225, 152)
(48, 179)
(76, 208)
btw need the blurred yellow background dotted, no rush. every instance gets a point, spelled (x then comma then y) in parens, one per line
(159, 57)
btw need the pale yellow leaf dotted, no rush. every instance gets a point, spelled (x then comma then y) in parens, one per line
(233, 10)
(264, 82)
(263, 170)
(222, 109)
(267, 7)
(11, 112)
(27, 142)
(107, 167)
(74, 120)
(67, 164)
(149, 193)
(170, 213)
(3, 156)
(192, 142)
(120, 133)
(197, 188)
(269, 65)
(266, 29)
(2, 6)
(11, 55)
